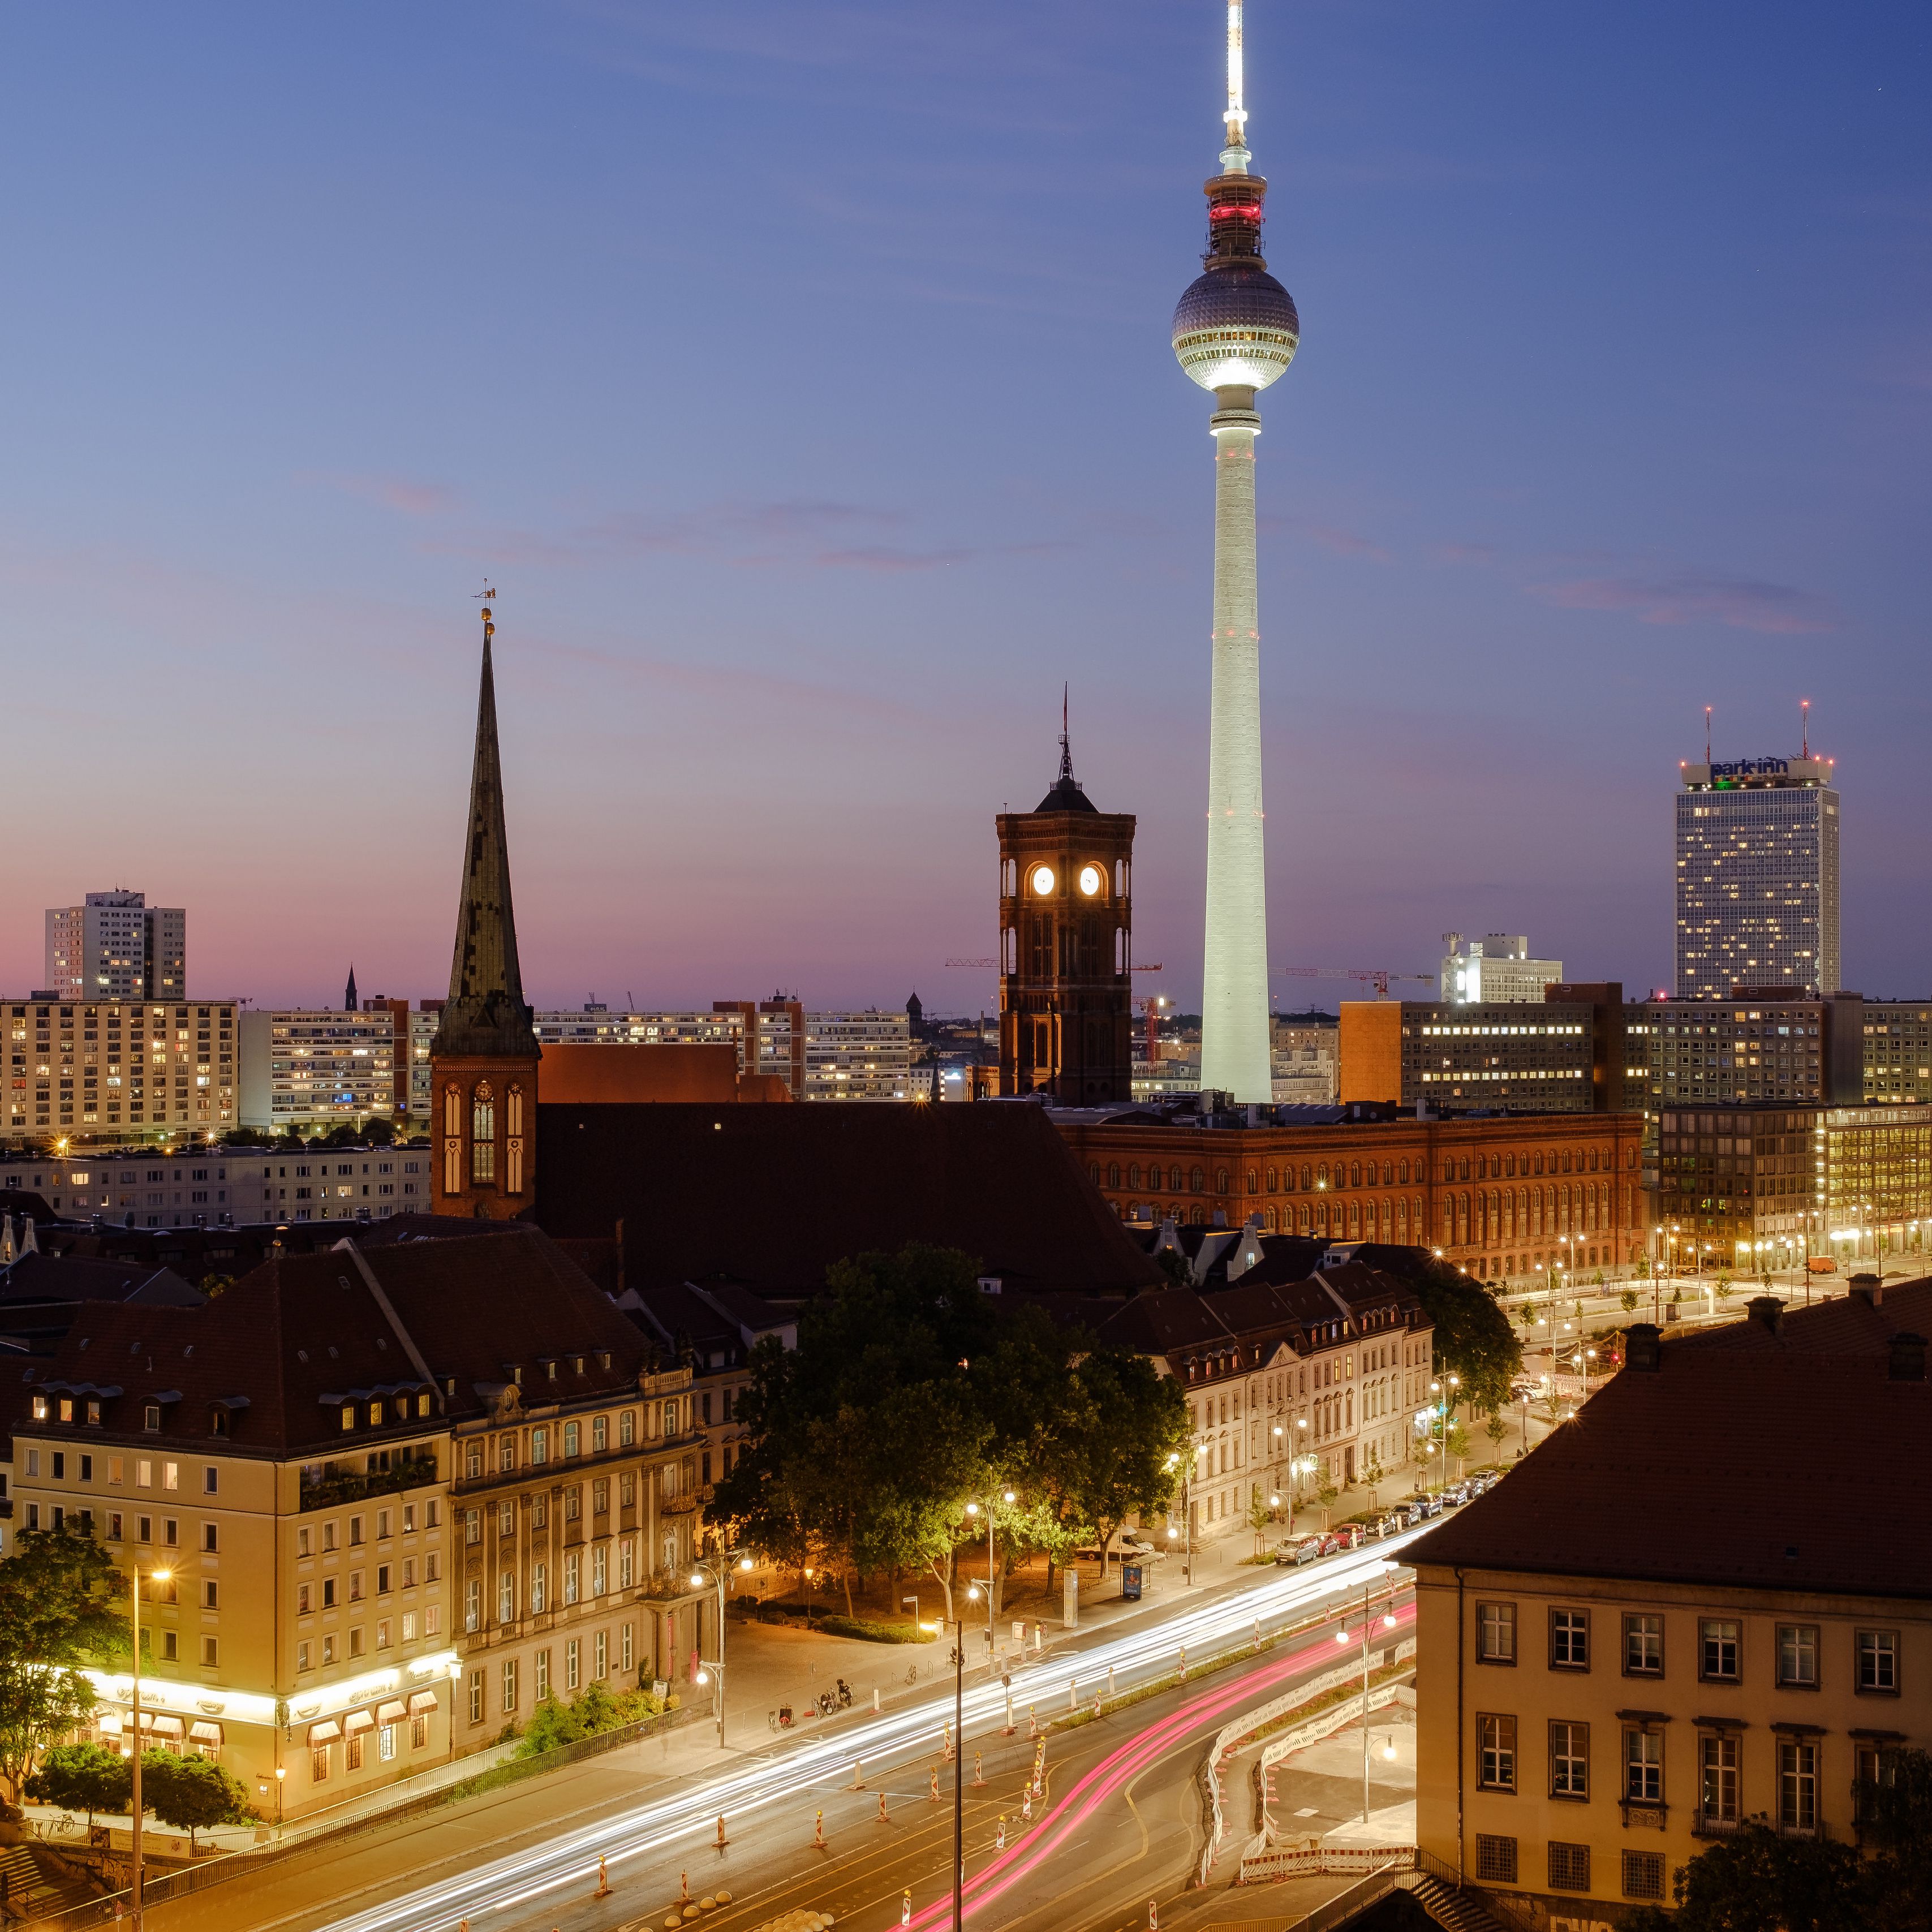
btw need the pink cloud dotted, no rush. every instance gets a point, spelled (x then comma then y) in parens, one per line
(1742, 605)
(405, 496)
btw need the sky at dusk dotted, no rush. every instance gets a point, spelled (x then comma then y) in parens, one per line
(800, 375)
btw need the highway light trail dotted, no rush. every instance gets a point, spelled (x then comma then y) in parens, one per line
(746, 1786)
(1105, 1779)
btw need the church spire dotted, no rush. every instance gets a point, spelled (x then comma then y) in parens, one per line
(348, 1000)
(486, 1015)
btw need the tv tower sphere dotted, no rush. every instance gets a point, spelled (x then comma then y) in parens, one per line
(1236, 327)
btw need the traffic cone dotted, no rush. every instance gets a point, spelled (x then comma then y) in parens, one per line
(905, 1910)
(882, 1807)
(999, 1837)
(603, 1879)
(684, 1887)
(1026, 1806)
(1154, 1916)
(935, 1784)
(1033, 1724)
(979, 1775)
(818, 1832)
(722, 1840)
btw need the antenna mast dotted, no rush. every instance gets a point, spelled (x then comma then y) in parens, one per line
(1804, 712)
(1235, 159)
(1707, 734)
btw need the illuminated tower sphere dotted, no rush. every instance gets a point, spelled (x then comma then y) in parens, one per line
(1235, 331)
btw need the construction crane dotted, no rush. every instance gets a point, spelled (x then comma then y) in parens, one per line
(972, 962)
(1369, 975)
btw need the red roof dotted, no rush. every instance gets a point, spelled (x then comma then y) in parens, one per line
(1751, 1458)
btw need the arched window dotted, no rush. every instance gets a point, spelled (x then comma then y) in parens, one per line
(1113, 1174)
(482, 1133)
(1093, 1172)
(1306, 1183)
(1220, 1181)
(1355, 1174)
(1321, 1175)
(1134, 1174)
(513, 1145)
(1198, 1216)
(1402, 1173)
(1195, 1182)
(452, 1110)
(1254, 1182)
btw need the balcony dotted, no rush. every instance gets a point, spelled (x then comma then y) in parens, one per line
(334, 1486)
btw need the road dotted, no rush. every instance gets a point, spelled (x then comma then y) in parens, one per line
(768, 1798)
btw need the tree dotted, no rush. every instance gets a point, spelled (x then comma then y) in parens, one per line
(1628, 1298)
(1173, 1264)
(1642, 1269)
(58, 1598)
(1373, 1478)
(1724, 1285)
(1760, 1881)
(379, 1132)
(81, 1777)
(191, 1793)
(1259, 1516)
(1495, 1429)
(1472, 1338)
(244, 1137)
(1133, 1420)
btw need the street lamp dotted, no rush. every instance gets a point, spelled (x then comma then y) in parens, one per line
(973, 1509)
(1368, 1623)
(1186, 1470)
(959, 1762)
(718, 1571)
(161, 1575)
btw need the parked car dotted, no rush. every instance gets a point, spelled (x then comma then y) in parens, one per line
(1298, 1550)
(1133, 1544)
(1348, 1536)
(1421, 1508)
(1389, 1526)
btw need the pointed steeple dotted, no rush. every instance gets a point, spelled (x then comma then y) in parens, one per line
(486, 1015)
(348, 1000)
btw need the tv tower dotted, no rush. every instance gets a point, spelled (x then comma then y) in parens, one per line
(1235, 331)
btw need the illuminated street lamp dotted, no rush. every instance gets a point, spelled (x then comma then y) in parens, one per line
(718, 1571)
(161, 1575)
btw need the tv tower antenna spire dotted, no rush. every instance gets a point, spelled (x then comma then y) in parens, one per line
(1804, 713)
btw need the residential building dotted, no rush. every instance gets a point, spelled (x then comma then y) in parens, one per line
(1736, 1188)
(1306, 1060)
(1066, 947)
(1622, 1662)
(855, 1056)
(1502, 1195)
(1757, 877)
(1898, 1050)
(219, 1186)
(774, 1034)
(404, 1491)
(1569, 1052)
(399, 1076)
(597, 1026)
(117, 1070)
(115, 946)
(1493, 971)
(421, 1037)
(316, 1068)
(1280, 1364)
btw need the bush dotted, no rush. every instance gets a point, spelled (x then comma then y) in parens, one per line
(869, 1632)
(598, 1709)
(191, 1793)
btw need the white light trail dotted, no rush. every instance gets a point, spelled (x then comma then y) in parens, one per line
(786, 1770)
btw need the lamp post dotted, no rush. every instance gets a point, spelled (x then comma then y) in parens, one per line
(717, 1571)
(1186, 1470)
(1342, 1637)
(959, 1763)
(973, 1509)
(161, 1575)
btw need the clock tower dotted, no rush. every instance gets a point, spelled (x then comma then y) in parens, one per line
(1066, 947)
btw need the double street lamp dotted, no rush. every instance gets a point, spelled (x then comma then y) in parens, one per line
(717, 1570)
(973, 1509)
(959, 1759)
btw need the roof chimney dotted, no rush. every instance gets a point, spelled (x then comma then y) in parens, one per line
(1766, 1308)
(1869, 1289)
(1642, 1351)
(1907, 1363)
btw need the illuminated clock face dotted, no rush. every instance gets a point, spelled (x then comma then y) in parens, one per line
(1090, 880)
(1042, 880)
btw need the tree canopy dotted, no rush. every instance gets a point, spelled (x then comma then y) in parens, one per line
(911, 1394)
(1473, 1338)
(59, 1599)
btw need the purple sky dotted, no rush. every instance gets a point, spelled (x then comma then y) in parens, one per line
(800, 374)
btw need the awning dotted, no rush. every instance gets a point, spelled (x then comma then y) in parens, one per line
(359, 1720)
(393, 1711)
(110, 1721)
(326, 1733)
(201, 1731)
(160, 1724)
(421, 1700)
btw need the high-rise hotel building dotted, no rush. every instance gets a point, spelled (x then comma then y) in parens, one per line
(1757, 878)
(115, 946)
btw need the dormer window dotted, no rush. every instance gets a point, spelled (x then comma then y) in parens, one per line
(516, 1373)
(604, 1358)
(550, 1369)
(40, 1410)
(67, 1409)
(578, 1366)
(218, 1422)
(151, 1418)
(348, 1415)
(94, 1411)
(375, 1415)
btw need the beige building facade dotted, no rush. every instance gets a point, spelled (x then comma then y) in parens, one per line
(118, 1070)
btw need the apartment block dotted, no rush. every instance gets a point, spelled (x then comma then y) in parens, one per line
(115, 946)
(317, 1068)
(218, 1186)
(116, 1070)
(857, 1056)
(1898, 1038)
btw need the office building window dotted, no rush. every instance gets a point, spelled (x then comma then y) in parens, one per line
(1569, 1760)
(1718, 1795)
(1797, 1784)
(1495, 1753)
(1878, 1661)
(1643, 1645)
(1569, 1639)
(1495, 1633)
(1720, 1640)
(1643, 1766)
(1798, 1656)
